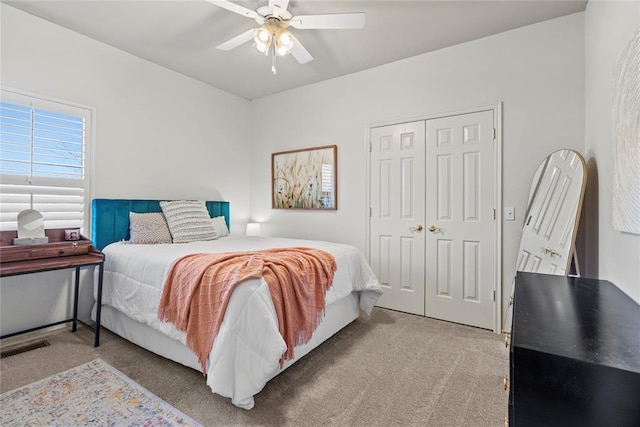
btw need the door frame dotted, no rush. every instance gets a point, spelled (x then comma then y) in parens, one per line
(497, 190)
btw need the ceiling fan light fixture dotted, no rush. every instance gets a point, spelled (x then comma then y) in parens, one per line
(283, 43)
(262, 47)
(281, 51)
(262, 35)
(273, 33)
(285, 39)
(262, 40)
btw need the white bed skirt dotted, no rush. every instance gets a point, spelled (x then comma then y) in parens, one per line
(337, 316)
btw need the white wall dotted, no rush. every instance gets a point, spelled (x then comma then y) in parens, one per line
(609, 27)
(201, 133)
(158, 134)
(536, 71)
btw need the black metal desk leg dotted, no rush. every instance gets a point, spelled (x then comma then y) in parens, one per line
(75, 301)
(98, 304)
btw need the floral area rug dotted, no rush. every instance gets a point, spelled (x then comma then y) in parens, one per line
(93, 394)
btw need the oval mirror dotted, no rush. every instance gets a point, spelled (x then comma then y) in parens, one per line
(547, 244)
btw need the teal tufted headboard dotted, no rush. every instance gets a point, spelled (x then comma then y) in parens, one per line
(110, 217)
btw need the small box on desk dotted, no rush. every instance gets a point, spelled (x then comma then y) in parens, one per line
(57, 246)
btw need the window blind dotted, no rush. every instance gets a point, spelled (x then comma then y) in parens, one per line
(61, 207)
(43, 153)
(327, 177)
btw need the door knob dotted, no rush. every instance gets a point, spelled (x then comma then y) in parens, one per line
(433, 228)
(551, 252)
(418, 227)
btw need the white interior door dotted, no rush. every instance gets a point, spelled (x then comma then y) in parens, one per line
(460, 220)
(397, 183)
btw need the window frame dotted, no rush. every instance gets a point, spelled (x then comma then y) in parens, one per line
(48, 103)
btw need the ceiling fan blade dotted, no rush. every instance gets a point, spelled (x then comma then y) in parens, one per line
(237, 40)
(280, 4)
(298, 51)
(236, 8)
(335, 21)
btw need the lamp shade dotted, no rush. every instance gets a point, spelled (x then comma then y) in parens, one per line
(254, 229)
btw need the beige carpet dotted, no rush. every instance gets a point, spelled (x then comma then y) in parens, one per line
(390, 369)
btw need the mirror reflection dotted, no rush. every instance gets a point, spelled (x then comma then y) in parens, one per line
(548, 237)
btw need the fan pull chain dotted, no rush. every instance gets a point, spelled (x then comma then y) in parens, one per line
(273, 60)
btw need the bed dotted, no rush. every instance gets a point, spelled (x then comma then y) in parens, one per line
(247, 350)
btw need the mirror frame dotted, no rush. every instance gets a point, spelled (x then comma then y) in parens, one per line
(536, 182)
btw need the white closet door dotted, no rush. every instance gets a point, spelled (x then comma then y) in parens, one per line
(397, 213)
(460, 263)
(432, 237)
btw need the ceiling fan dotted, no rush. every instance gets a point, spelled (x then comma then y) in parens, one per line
(273, 38)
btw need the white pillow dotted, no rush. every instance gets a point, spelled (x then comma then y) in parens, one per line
(148, 228)
(220, 224)
(188, 221)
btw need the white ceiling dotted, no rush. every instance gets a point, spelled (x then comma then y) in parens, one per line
(182, 34)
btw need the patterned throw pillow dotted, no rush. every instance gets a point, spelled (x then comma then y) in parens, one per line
(148, 228)
(188, 220)
(220, 224)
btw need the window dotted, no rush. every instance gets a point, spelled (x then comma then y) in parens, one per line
(327, 184)
(44, 153)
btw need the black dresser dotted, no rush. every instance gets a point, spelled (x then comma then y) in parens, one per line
(574, 353)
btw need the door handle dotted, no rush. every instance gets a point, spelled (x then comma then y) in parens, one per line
(416, 228)
(433, 228)
(551, 252)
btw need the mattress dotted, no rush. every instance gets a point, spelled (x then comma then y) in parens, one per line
(246, 352)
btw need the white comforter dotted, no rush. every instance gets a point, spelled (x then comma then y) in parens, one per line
(245, 354)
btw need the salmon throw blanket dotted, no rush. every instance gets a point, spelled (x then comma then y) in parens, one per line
(198, 287)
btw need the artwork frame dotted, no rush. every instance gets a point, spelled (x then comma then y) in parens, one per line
(305, 179)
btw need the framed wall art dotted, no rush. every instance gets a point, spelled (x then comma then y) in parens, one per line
(626, 139)
(305, 179)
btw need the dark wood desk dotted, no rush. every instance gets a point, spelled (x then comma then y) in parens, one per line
(92, 258)
(574, 354)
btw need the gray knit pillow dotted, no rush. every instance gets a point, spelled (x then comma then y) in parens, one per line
(188, 220)
(148, 228)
